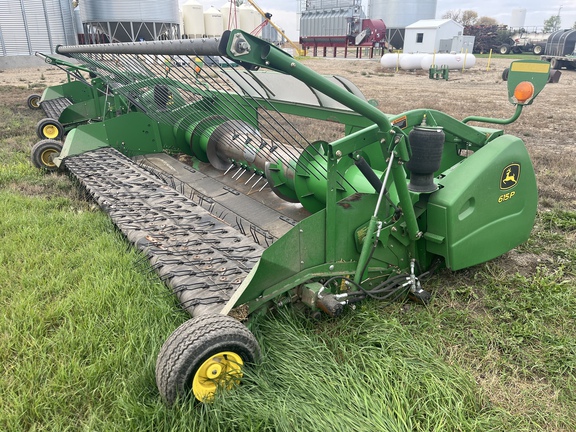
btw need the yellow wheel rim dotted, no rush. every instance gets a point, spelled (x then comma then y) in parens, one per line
(50, 131)
(35, 102)
(222, 370)
(47, 157)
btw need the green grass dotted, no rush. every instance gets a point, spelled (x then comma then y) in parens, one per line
(83, 319)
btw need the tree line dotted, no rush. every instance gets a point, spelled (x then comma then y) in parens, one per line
(469, 18)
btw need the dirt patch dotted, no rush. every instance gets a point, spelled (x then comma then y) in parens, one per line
(32, 78)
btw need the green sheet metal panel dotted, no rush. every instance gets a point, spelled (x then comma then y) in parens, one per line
(485, 207)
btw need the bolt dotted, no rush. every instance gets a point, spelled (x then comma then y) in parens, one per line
(267, 63)
(394, 229)
(331, 267)
(292, 64)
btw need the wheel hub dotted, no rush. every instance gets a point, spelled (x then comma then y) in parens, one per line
(50, 131)
(48, 156)
(222, 370)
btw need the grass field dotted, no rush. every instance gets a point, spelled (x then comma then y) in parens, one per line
(83, 318)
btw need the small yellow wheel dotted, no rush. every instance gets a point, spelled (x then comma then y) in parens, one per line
(204, 355)
(49, 128)
(221, 371)
(43, 154)
(33, 101)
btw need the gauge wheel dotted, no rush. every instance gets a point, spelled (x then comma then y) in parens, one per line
(204, 355)
(49, 128)
(34, 101)
(44, 152)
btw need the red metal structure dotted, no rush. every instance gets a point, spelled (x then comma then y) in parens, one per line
(372, 36)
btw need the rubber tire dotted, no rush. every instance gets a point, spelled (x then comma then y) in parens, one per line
(49, 122)
(192, 344)
(537, 50)
(505, 73)
(41, 159)
(33, 101)
(504, 49)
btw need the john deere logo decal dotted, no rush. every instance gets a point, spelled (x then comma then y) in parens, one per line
(510, 176)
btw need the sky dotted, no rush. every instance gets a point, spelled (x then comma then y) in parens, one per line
(284, 12)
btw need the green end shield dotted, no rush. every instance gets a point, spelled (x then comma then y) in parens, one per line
(526, 80)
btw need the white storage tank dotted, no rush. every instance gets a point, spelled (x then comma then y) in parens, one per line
(230, 18)
(453, 61)
(411, 61)
(213, 25)
(391, 60)
(247, 17)
(193, 19)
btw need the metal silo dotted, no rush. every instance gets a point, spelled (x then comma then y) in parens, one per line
(401, 13)
(397, 14)
(27, 26)
(130, 20)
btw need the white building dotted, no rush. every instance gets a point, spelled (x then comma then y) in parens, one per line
(424, 36)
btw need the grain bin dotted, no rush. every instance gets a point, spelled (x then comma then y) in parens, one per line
(30, 26)
(401, 13)
(213, 25)
(131, 20)
(230, 18)
(193, 18)
(248, 18)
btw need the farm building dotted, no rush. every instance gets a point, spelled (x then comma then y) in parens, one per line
(424, 36)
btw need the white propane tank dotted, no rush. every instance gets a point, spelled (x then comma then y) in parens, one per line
(247, 19)
(411, 61)
(193, 19)
(452, 61)
(230, 18)
(213, 22)
(391, 60)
